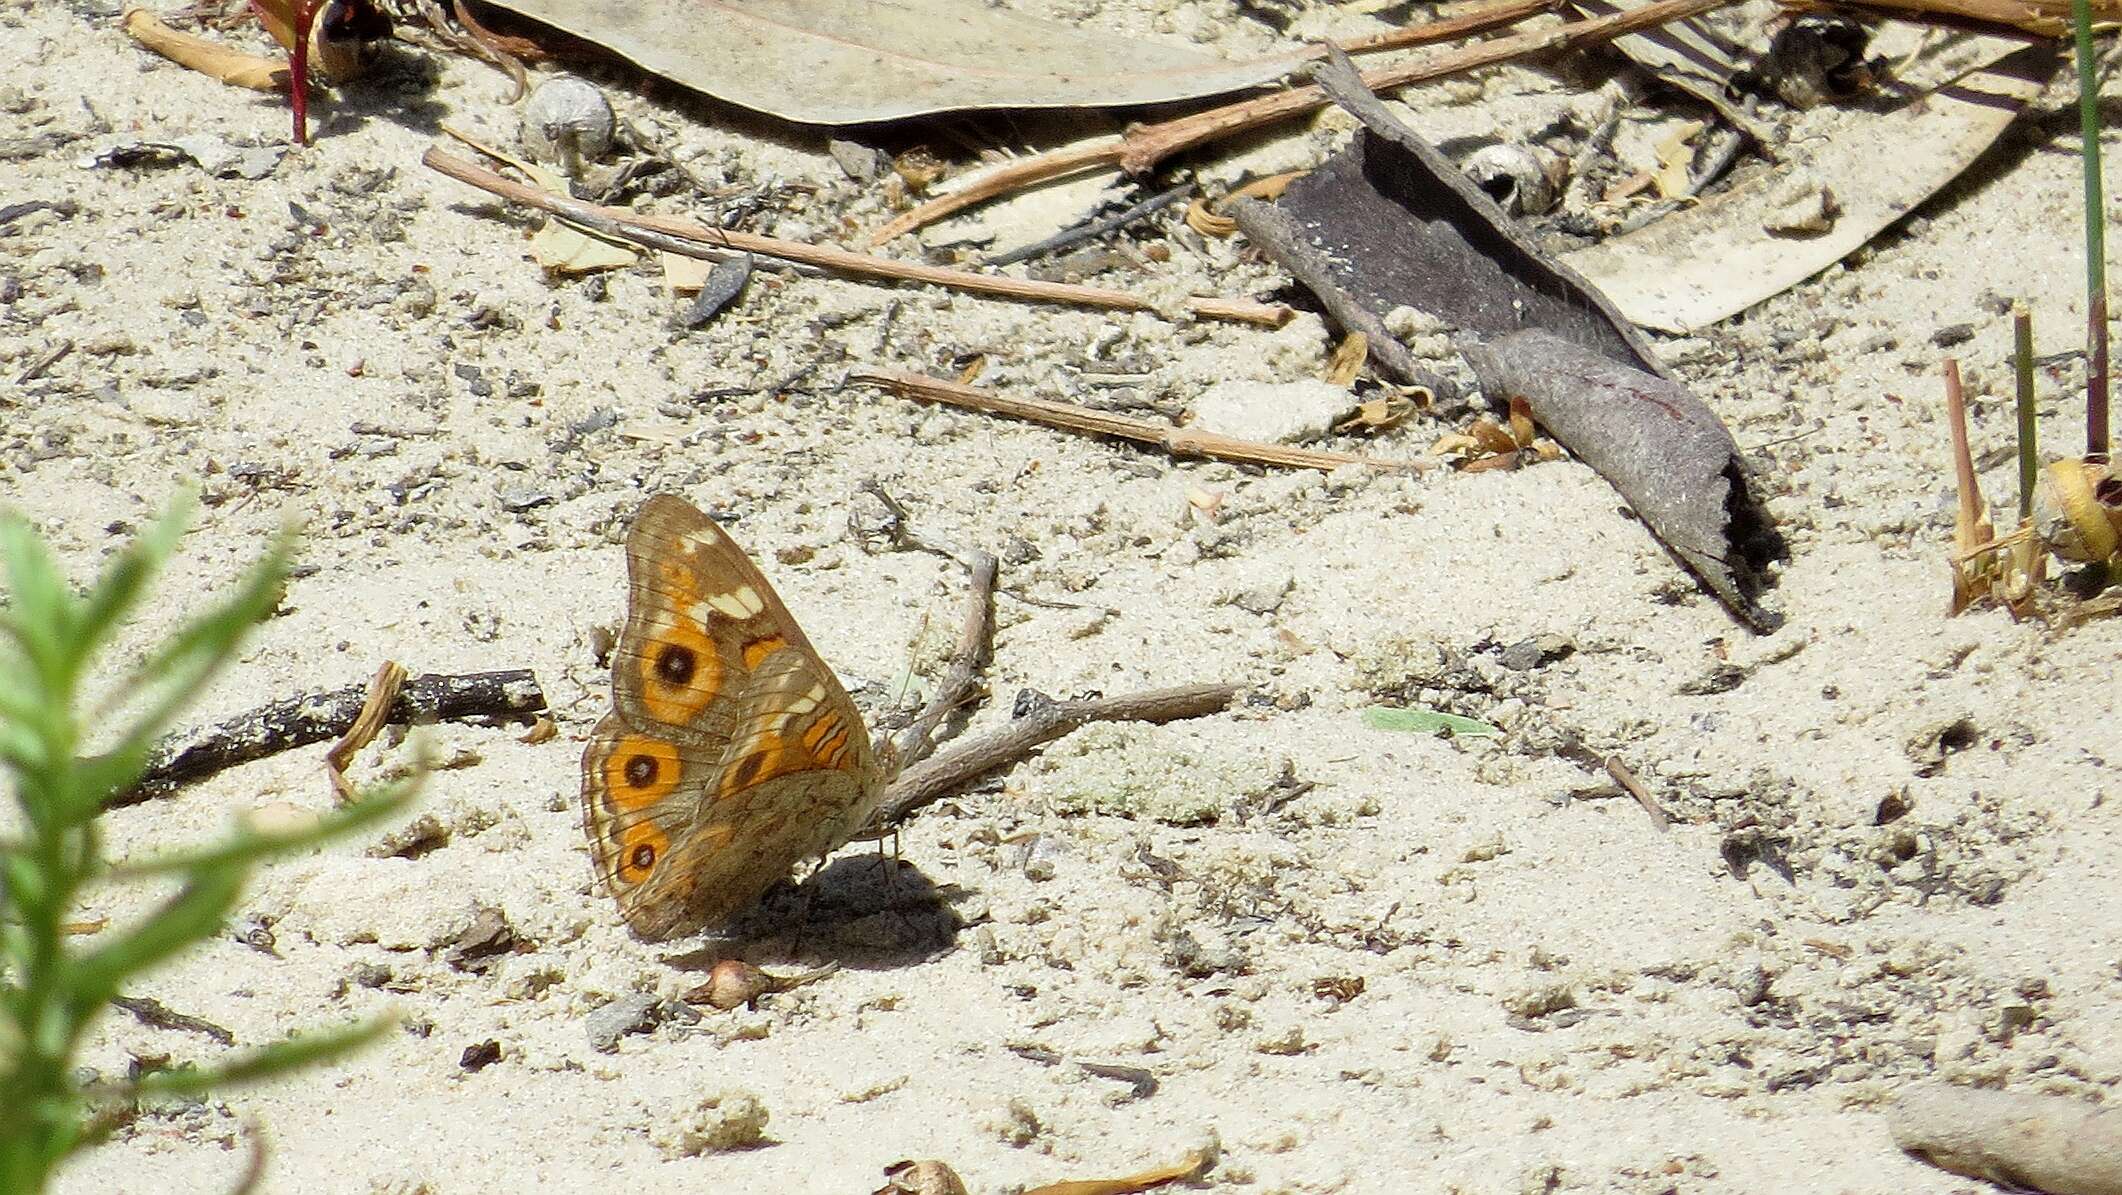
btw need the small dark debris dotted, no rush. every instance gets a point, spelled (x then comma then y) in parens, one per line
(1744, 848)
(720, 288)
(153, 1013)
(1721, 679)
(1892, 808)
(478, 1057)
(1952, 334)
(257, 933)
(1142, 1084)
(518, 499)
(1340, 989)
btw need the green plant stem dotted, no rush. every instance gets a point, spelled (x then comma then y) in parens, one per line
(2096, 439)
(2022, 327)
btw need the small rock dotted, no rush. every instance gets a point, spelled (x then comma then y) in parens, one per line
(1807, 212)
(635, 1013)
(1042, 857)
(1272, 412)
(857, 161)
(474, 948)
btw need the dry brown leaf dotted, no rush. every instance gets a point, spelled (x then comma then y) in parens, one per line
(1376, 415)
(1491, 436)
(1147, 1180)
(2092, 531)
(1202, 217)
(1521, 421)
(830, 62)
(1346, 365)
(233, 67)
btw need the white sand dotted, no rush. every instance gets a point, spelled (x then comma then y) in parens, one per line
(1723, 1034)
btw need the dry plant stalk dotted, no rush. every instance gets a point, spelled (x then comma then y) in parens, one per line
(1140, 149)
(210, 58)
(2047, 18)
(1983, 565)
(694, 239)
(1177, 441)
(375, 714)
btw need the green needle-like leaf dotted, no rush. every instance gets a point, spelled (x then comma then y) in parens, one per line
(265, 1062)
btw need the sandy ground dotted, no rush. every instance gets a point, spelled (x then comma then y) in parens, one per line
(1448, 965)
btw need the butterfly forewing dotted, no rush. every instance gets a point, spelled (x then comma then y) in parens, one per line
(733, 753)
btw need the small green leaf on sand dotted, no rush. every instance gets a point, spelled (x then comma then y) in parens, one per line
(1392, 717)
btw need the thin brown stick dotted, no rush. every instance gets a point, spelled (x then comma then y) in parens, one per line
(374, 716)
(621, 222)
(1634, 787)
(300, 721)
(1479, 18)
(1140, 149)
(1177, 441)
(920, 786)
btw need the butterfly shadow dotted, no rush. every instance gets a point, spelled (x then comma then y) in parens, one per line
(866, 911)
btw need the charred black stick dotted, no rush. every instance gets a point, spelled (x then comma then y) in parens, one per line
(300, 721)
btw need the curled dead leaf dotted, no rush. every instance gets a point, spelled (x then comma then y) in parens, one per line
(2090, 530)
(233, 67)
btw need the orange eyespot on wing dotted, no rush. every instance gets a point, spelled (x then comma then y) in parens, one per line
(640, 771)
(641, 846)
(679, 671)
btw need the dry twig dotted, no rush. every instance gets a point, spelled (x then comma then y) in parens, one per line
(1177, 441)
(1140, 149)
(299, 721)
(921, 785)
(694, 239)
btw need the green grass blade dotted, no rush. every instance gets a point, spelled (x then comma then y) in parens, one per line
(246, 846)
(120, 586)
(196, 912)
(267, 1061)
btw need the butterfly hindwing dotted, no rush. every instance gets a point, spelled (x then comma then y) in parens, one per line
(732, 752)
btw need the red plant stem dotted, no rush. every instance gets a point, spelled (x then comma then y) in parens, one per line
(305, 12)
(2096, 442)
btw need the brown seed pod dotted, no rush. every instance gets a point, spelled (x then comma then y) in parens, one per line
(734, 982)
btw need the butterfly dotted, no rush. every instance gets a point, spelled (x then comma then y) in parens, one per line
(732, 753)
